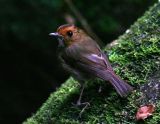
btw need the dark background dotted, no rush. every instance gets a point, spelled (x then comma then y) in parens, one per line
(28, 58)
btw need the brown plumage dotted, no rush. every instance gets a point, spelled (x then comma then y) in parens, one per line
(83, 58)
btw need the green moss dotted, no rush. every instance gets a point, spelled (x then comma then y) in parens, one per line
(136, 59)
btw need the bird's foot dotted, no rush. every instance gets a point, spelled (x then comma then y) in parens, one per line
(84, 108)
(79, 104)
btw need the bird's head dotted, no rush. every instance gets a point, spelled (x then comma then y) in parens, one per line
(68, 34)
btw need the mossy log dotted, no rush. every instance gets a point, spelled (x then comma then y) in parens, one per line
(135, 56)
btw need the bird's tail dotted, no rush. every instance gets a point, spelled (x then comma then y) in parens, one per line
(121, 86)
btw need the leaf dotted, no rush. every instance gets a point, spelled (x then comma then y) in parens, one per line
(145, 111)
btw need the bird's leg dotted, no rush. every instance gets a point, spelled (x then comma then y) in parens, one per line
(100, 89)
(81, 93)
(79, 103)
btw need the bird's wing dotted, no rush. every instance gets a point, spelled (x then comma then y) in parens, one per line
(99, 60)
(95, 65)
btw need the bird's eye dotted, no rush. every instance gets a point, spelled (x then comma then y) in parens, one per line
(70, 33)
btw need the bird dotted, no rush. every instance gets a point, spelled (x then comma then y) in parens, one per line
(83, 58)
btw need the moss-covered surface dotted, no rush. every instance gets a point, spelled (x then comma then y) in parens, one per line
(136, 59)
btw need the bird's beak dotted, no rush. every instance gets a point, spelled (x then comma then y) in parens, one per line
(54, 34)
(59, 37)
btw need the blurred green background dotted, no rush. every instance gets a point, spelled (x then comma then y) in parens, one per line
(28, 58)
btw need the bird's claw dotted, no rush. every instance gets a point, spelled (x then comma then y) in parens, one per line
(80, 103)
(83, 109)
